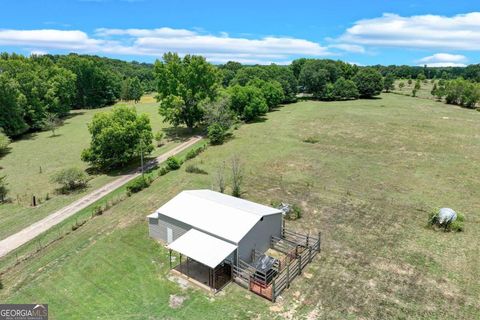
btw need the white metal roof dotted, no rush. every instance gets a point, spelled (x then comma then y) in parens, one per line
(224, 216)
(202, 247)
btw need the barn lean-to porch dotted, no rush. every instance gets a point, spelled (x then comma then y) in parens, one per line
(202, 258)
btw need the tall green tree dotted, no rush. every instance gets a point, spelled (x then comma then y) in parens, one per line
(369, 82)
(12, 103)
(248, 101)
(136, 89)
(182, 85)
(389, 82)
(118, 137)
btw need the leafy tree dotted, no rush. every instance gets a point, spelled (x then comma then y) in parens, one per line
(401, 85)
(70, 179)
(219, 112)
(182, 85)
(136, 90)
(12, 103)
(51, 122)
(314, 79)
(409, 81)
(297, 66)
(388, 82)
(369, 82)
(237, 177)
(96, 85)
(3, 188)
(117, 136)
(421, 76)
(344, 89)
(248, 101)
(159, 135)
(131, 90)
(216, 133)
(272, 91)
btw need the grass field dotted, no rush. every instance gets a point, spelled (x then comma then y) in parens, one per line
(32, 160)
(378, 166)
(424, 92)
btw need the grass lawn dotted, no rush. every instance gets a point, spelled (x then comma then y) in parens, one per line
(379, 165)
(32, 160)
(424, 92)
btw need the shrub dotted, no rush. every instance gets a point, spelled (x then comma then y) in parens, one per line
(4, 142)
(173, 163)
(216, 134)
(369, 82)
(70, 179)
(98, 210)
(159, 138)
(163, 171)
(194, 152)
(191, 168)
(294, 213)
(3, 189)
(138, 184)
(311, 139)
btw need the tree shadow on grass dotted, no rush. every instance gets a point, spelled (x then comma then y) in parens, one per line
(182, 134)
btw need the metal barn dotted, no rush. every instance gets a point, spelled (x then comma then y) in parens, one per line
(214, 238)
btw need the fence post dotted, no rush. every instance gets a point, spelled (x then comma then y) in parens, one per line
(273, 291)
(288, 275)
(300, 264)
(310, 254)
(319, 242)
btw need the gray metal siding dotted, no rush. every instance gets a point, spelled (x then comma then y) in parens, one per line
(158, 228)
(259, 236)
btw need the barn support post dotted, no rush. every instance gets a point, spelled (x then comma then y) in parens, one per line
(308, 237)
(170, 257)
(188, 269)
(213, 278)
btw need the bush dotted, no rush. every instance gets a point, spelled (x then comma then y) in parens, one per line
(216, 134)
(163, 171)
(138, 184)
(191, 168)
(4, 142)
(295, 213)
(159, 138)
(311, 139)
(3, 189)
(369, 82)
(194, 152)
(70, 179)
(173, 163)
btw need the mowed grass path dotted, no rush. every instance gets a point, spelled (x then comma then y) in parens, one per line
(32, 160)
(378, 166)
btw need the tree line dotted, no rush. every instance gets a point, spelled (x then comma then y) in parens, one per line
(34, 88)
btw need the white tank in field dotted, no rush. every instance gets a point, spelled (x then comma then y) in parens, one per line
(446, 215)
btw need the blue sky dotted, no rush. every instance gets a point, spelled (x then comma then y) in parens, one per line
(409, 32)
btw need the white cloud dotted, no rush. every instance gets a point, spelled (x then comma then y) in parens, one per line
(348, 47)
(443, 60)
(154, 42)
(160, 32)
(50, 39)
(459, 32)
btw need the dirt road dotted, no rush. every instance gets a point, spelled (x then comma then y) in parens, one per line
(23, 236)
